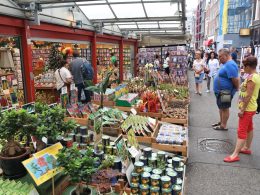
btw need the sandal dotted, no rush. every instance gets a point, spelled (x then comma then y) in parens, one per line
(248, 152)
(228, 159)
(216, 124)
(219, 128)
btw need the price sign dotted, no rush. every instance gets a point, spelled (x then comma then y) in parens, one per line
(64, 90)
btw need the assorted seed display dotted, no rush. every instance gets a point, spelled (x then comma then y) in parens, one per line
(171, 134)
(157, 173)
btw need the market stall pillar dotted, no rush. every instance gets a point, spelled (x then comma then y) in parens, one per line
(27, 58)
(121, 60)
(135, 58)
(94, 57)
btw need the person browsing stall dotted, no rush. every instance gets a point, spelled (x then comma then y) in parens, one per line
(63, 76)
(226, 84)
(212, 66)
(198, 68)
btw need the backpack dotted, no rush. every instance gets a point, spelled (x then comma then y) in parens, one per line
(87, 71)
(258, 103)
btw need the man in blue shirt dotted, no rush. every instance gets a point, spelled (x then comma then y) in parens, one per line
(226, 79)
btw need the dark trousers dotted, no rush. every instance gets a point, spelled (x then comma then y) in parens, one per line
(87, 93)
(167, 70)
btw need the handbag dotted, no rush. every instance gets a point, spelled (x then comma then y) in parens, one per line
(206, 70)
(224, 95)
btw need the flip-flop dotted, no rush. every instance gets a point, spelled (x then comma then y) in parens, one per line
(216, 124)
(248, 152)
(219, 128)
(228, 159)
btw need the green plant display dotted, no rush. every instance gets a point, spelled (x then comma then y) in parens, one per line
(55, 59)
(102, 87)
(79, 167)
(107, 163)
(16, 123)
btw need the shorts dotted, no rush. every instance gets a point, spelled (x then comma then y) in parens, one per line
(222, 105)
(200, 78)
(245, 125)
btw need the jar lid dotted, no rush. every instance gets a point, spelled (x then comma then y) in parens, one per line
(134, 185)
(147, 169)
(162, 153)
(169, 161)
(148, 149)
(146, 175)
(179, 169)
(142, 158)
(152, 159)
(157, 171)
(167, 190)
(155, 189)
(144, 187)
(172, 173)
(105, 137)
(169, 169)
(133, 174)
(83, 127)
(176, 159)
(155, 177)
(170, 166)
(176, 187)
(179, 181)
(139, 164)
(165, 178)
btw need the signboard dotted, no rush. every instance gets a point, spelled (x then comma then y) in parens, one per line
(42, 166)
(228, 42)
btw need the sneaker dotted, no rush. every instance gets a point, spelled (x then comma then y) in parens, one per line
(207, 91)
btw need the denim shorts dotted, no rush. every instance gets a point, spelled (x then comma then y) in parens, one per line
(200, 78)
(222, 105)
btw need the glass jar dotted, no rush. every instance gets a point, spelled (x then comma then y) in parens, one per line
(152, 162)
(166, 191)
(166, 181)
(144, 190)
(176, 189)
(155, 180)
(155, 190)
(173, 176)
(135, 178)
(139, 167)
(145, 178)
(157, 171)
(134, 188)
(148, 169)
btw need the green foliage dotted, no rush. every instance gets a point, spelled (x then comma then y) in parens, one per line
(17, 122)
(40, 107)
(51, 122)
(55, 59)
(78, 166)
(107, 163)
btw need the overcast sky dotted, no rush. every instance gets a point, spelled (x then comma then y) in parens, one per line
(190, 6)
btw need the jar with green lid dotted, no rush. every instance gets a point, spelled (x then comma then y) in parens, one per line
(179, 171)
(166, 182)
(145, 178)
(157, 171)
(134, 188)
(135, 177)
(155, 180)
(155, 191)
(169, 169)
(173, 176)
(170, 166)
(176, 161)
(152, 162)
(148, 169)
(147, 152)
(143, 159)
(179, 181)
(139, 167)
(166, 191)
(144, 190)
(109, 150)
(176, 189)
(161, 156)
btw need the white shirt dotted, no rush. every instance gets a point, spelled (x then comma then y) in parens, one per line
(213, 67)
(198, 65)
(156, 63)
(61, 75)
(166, 62)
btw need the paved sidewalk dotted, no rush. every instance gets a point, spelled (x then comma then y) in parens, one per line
(207, 174)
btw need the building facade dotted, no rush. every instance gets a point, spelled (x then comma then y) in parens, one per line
(256, 23)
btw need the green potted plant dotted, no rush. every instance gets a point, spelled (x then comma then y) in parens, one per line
(51, 124)
(102, 87)
(79, 167)
(15, 123)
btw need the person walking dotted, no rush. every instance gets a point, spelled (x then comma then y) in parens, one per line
(247, 104)
(226, 83)
(156, 62)
(63, 77)
(198, 68)
(80, 68)
(212, 67)
(166, 64)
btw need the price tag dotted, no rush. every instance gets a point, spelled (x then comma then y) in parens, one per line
(134, 152)
(72, 87)
(3, 78)
(64, 90)
(6, 92)
(134, 112)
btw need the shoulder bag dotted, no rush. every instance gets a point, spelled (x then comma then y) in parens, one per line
(225, 95)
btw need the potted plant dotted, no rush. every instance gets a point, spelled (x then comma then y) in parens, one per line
(51, 124)
(102, 87)
(79, 167)
(15, 123)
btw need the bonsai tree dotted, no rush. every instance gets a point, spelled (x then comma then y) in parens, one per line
(102, 87)
(16, 123)
(79, 167)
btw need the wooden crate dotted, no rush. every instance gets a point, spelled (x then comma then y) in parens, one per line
(123, 108)
(111, 131)
(80, 121)
(183, 149)
(151, 114)
(184, 122)
(106, 103)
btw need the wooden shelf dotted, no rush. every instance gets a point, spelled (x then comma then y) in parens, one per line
(7, 74)
(45, 88)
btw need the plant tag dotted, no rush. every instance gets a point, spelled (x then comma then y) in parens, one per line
(45, 140)
(134, 112)
(3, 78)
(129, 170)
(64, 90)
(152, 121)
(134, 152)
(6, 92)
(72, 87)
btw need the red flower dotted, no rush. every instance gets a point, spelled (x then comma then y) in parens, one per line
(41, 162)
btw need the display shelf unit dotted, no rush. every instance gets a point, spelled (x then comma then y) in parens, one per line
(104, 55)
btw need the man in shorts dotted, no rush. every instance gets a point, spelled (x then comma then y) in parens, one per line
(227, 79)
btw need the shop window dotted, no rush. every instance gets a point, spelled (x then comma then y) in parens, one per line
(11, 73)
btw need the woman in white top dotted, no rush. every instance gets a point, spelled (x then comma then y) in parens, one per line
(213, 66)
(156, 62)
(63, 76)
(166, 63)
(198, 67)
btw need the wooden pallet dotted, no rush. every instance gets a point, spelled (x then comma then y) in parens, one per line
(183, 149)
(80, 121)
